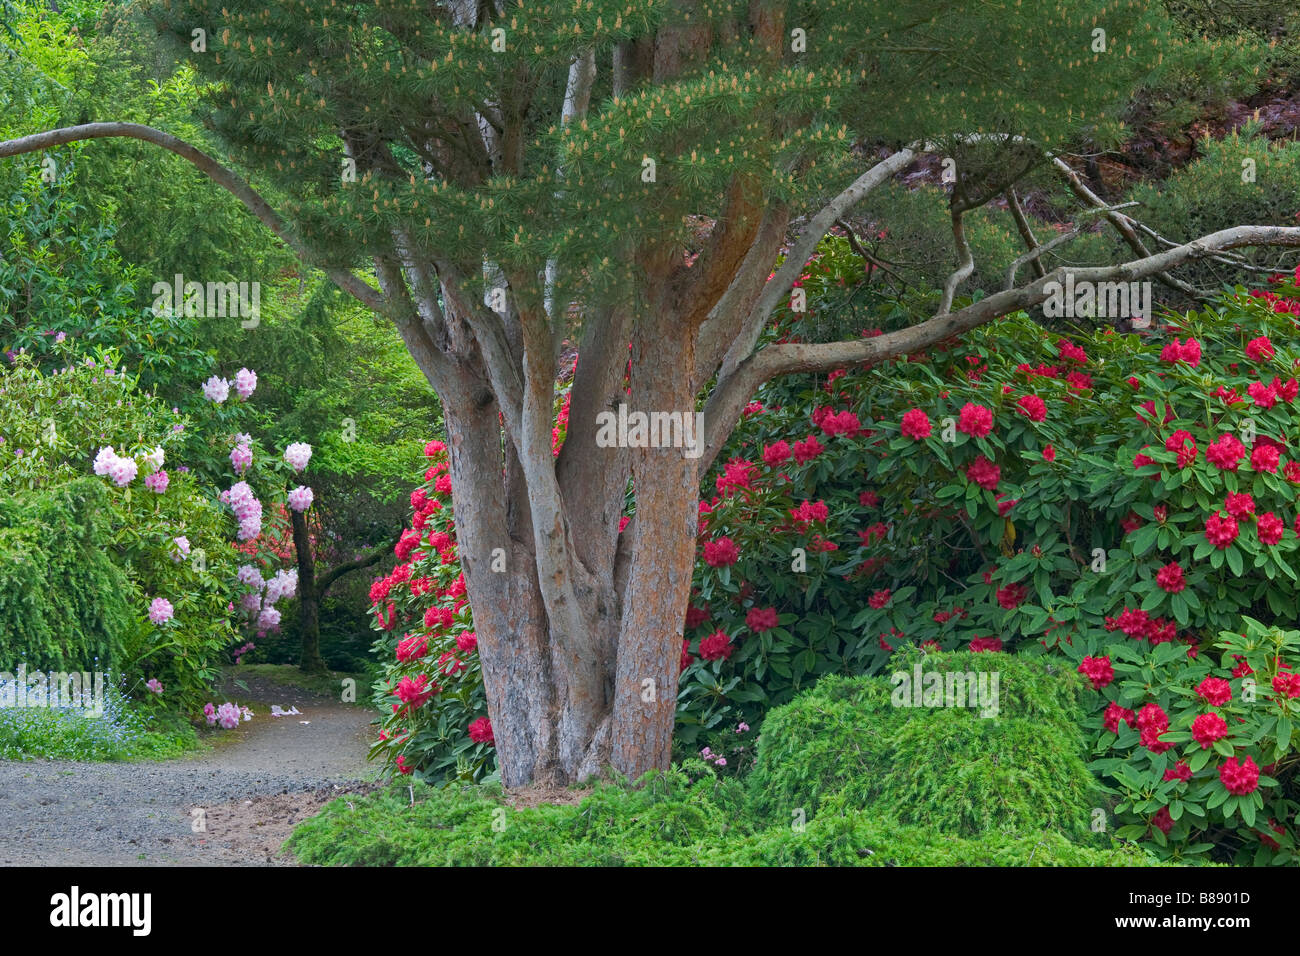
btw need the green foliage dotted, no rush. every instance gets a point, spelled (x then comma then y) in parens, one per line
(64, 603)
(123, 732)
(950, 768)
(280, 91)
(669, 821)
(1219, 190)
(1233, 703)
(98, 574)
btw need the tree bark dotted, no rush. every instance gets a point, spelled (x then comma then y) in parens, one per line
(309, 659)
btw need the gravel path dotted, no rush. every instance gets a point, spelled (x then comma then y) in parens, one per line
(272, 772)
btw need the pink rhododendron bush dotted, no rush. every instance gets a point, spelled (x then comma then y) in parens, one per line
(186, 560)
(1127, 503)
(164, 536)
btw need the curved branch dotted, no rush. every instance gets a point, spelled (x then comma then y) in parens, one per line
(218, 173)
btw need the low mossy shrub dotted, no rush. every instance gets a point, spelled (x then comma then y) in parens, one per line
(1014, 759)
(670, 821)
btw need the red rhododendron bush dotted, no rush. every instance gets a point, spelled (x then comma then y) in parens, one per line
(1125, 502)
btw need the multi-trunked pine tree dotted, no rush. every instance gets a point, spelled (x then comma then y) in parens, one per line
(513, 176)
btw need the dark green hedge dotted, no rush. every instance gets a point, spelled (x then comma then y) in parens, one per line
(64, 605)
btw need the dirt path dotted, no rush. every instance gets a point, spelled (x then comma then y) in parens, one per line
(252, 788)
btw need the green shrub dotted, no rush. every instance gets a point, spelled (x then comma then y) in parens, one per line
(948, 769)
(841, 836)
(63, 602)
(669, 822)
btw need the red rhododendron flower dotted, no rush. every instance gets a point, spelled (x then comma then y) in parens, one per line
(1049, 453)
(1162, 821)
(736, 473)
(1184, 444)
(1270, 528)
(808, 449)
(687, 659)
(1265, 396)
(1265, 458)
(1267, 840)
(1134, 622)
(1152, 721)
(1098, 670)
(879, 599)
(716, 646)
(975, 420)
(868, 499)
(1225, 452)
(1012, 596)
(721, 552)
(916, 424)
(1260, 349)
(1239, 778)
(1291, 472)
(402, 765)
(875, 532)
(480, 731)
(845, 423)
(1287, 685)
(434, 449)
(412, 648)
(1220, 530)
(1239, 504)
(1170, 578)
(1068, 350)
(1032, 407)
(1114, 714)
(984, 473)
(808, 512)
(986, 644)
(1179, 771)
(443, 485)
(414, 693)
(776, 454)
(1215, 691)
(759, 620)
(695, 616)
(1208, 728)
(1189, 352)
(466, 641)
(1141, 461)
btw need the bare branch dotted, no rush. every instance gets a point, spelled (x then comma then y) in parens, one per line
(1026, 233)
(804, 247)
(965, 263)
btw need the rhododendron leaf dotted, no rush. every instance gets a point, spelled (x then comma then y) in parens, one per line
(1283, 736)
(1223, 747)
(1198, 760)
(1216, 559)
(1179, 605)
(1202, 549)
(1234, 560)
(1248, 812)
